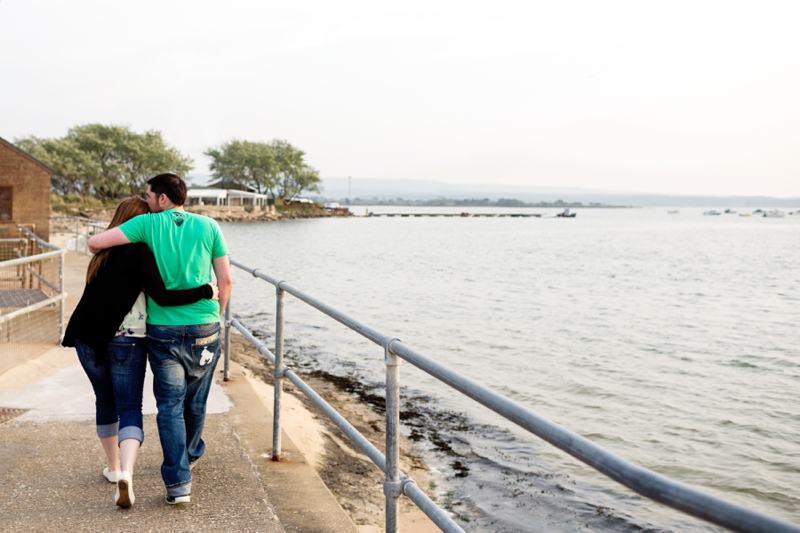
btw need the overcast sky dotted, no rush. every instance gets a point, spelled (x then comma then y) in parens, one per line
(665, 97)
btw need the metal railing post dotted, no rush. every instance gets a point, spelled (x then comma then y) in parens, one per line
(392, 487)
(226, 375)
(279, 368)
(61, 260)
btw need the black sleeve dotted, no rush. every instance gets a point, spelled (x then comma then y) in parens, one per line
(154, 284)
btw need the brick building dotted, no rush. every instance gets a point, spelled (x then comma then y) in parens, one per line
(24, 192)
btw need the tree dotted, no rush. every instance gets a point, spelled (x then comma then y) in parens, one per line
(76, 171)
(246, 163)
(294, 175)
(106, 161)
(126, 158)
(275, 168)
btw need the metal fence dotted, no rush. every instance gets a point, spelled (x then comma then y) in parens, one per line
(78, 231)
(31, 298)
(641, 480)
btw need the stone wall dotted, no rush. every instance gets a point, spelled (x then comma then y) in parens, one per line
(29, 182)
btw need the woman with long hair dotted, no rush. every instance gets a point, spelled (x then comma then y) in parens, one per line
(107, 330)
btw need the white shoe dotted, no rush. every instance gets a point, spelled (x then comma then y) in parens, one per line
(111, 476)
(174, 500)
(124, 496)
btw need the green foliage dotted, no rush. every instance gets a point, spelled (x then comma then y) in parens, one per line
(275, 168)
(294, 176)
(244, 162)
(105, 161)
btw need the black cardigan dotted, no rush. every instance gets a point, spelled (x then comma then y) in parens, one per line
(111, 294)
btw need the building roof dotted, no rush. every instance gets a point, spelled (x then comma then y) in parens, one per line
(209, 192)
(4, 142)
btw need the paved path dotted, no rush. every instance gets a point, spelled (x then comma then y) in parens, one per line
(51, 464)
(51, 460)
(50, 480)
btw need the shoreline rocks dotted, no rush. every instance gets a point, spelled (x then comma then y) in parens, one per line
(260, 216)
(225, 214)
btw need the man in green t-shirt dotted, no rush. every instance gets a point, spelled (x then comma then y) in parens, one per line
(183, 341)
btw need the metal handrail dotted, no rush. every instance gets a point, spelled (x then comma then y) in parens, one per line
(69, 217)
(56, 285)
(87, 222)
(32, 236)
(33, 307)
(641, 480)
(31, 258)
(409, 487)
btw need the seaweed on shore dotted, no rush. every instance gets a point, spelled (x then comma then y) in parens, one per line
(481, 484)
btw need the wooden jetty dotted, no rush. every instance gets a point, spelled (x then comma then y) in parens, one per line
(522, 215)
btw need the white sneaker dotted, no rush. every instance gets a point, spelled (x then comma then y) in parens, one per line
(111, 476)
(124, 496)
(173, 500)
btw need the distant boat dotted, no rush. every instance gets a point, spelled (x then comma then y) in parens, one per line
(745, 214)
(730, 212)
(757, 212)
(712, 213)
(566, 214)
(775, 213)
(673, 212)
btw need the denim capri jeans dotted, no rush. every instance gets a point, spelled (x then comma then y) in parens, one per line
(117, 386)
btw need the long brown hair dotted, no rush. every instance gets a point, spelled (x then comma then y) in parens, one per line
(127, 209)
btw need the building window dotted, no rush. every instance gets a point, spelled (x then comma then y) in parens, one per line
(5, 204)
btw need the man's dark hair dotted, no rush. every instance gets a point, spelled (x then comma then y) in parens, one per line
(170, 184)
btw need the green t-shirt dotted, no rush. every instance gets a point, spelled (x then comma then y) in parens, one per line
(185, 244)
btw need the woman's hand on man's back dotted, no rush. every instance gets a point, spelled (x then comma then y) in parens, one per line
(215, 289)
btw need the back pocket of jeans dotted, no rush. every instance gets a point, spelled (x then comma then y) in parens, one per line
(205, 349)
(162, 350)
(122, 352)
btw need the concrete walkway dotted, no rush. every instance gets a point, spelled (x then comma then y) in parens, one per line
(51, 462)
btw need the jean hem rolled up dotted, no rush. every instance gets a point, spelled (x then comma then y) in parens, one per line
(131, 432)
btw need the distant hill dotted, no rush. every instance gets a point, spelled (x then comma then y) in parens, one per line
(384, 189)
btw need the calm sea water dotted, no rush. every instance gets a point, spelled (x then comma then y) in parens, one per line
(671, 340)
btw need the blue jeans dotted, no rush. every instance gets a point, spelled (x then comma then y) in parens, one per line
(183, 359)
(117, 386)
